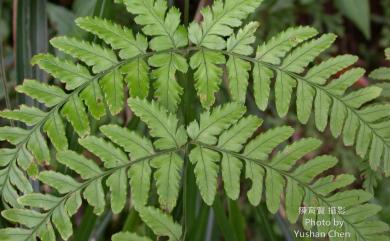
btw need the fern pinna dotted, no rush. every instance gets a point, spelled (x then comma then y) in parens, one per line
(224, 137)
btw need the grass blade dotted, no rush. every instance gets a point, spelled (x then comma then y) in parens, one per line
(224, 225)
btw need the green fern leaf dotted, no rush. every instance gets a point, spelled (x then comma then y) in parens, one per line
(277, 47)
(160, 223)
(83, 166)
(307, 171)
(261, 84)
(13, 135)
(340, 85)
(94, 194)
(125, 236)
(168, 91)
(26, 114)
(55, 129)
(320, 73)
(73, 203)
(14, 234)
(113, 89)
(28, 218)
(237, 68)
(6, 156)
(74, 112)
(167, 178)
(362, 96)
(291, 154)
(274, 184)
(382, 73)
(284, 85)
(18, 179)
(263, 144)
(297, 60)
(93, 98)
(117, 36)
(137, 77)
(47, 233)
(38, 147)
(106, 151)
(62, 222)
(238, 78)
(44, 201)
(207, 74)
(206, 172)
(118, 187)
(93, 55)
(73, 75)
(24, 158)
(61, 182)
(238, 134)
(219, 20)
(130, 141)
(46, 94)
(140, 174)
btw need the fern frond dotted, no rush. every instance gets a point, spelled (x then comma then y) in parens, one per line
(220, 138)
(318, 91)
(30, 144)
(279, 175)
(56, 211)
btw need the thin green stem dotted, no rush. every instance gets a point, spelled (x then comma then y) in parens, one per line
(186, 12)
(4, 81)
